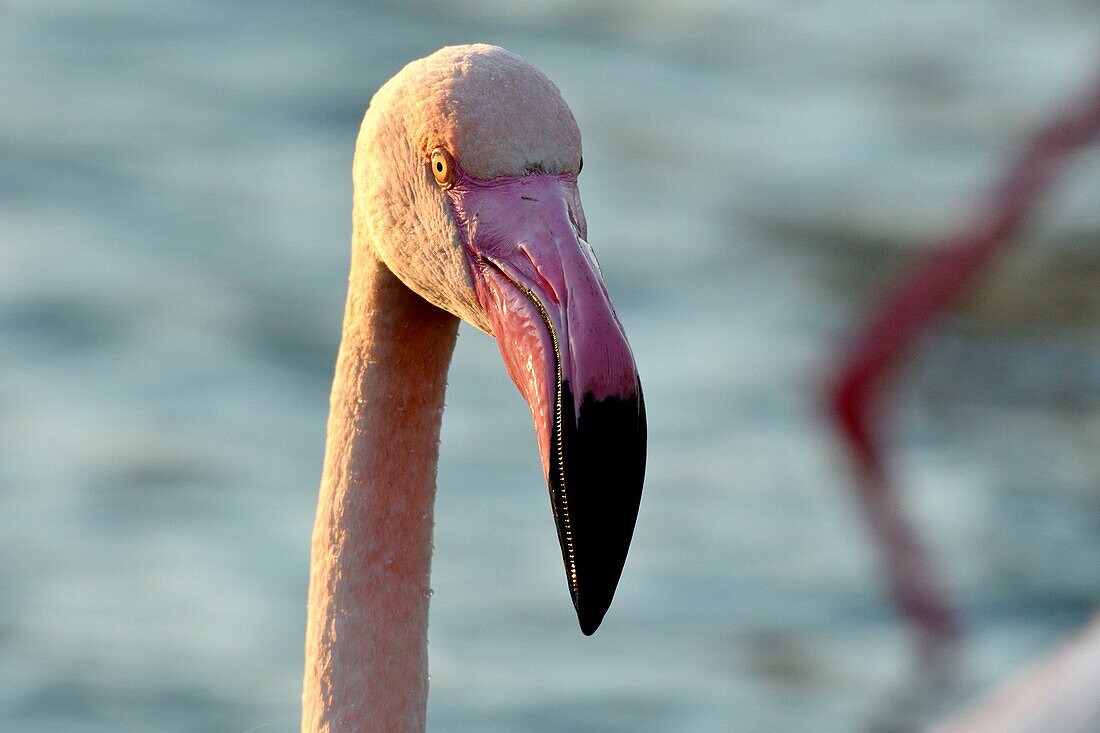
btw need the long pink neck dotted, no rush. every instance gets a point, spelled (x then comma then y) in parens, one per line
(367, 634)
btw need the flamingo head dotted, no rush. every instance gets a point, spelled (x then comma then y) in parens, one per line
(466, 183)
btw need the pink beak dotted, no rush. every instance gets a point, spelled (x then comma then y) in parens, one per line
(540, 285)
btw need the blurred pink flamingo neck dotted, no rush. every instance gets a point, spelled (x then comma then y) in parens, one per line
(367, 633)
(856, 392)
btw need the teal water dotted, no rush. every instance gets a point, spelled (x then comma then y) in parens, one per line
(174, 226)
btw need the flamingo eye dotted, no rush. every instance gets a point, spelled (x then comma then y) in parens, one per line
(442, 167)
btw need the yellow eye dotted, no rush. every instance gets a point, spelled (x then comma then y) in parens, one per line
(442, 166)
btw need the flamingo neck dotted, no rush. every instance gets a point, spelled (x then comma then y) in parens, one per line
(367, 633)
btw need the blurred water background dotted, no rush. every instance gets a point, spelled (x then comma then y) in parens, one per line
(174, 229)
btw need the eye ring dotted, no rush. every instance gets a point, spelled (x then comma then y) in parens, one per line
(443, 167)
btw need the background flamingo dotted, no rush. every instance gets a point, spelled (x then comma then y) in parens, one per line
(909, 310)
(1057, 693)
(1060, 693)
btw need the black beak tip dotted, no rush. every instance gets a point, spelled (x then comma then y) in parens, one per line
(590, 620)
(592, 599)
(605, 465)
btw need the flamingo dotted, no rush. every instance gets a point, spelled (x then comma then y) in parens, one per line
(907, 311)
(1059, 694)
(465, 206)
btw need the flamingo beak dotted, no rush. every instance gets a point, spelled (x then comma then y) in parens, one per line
(540, 286)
